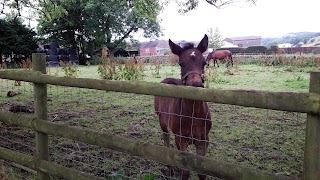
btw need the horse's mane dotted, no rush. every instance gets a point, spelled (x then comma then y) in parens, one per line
(188, 45)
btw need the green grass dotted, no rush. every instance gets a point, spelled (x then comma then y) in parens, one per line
(268, 78)
(253, 77)
(263, 139)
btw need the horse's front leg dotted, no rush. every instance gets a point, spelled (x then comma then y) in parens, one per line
(201, 149)
(182, 145)
(166, 139)
(214, 62)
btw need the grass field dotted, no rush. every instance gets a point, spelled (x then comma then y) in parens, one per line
(274, 78)
(263, 139)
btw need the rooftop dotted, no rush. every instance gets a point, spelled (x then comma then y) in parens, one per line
(157, 43)
(244, 38)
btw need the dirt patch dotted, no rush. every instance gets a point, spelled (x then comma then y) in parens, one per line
(15, 108)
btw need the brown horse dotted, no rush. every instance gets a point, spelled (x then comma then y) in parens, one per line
(189, 120)
(220, 55)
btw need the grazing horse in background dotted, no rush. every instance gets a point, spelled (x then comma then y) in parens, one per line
(189, 120)
(220, 55)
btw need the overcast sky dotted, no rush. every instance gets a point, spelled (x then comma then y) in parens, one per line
(268, 18)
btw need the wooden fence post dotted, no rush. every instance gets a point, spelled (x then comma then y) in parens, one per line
(312, 141)
(40, 105)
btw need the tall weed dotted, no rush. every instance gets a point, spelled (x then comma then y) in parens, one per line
(130, 70)
(106, 68)
(125, 70)
(70, 69)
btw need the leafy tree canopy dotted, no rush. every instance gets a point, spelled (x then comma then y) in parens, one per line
(91, 24)
(215, 38)
(16, 38)
(188, 5)
(185, 5)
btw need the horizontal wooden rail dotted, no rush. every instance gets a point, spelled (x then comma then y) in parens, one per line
(173, 157)
(287, 101)
(44, 166)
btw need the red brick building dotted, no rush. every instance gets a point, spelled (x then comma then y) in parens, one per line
(153, 48)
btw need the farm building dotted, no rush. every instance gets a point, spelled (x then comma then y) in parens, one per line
(228, 44)
(160, 47)
(245, 41)
(152, 48)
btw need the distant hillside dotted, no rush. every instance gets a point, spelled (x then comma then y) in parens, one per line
(292, 38)
(315, 41)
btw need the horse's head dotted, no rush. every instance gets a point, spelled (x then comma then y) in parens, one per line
(191, 61)
(209, 57)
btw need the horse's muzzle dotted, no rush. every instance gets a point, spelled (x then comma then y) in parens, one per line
(193, 78)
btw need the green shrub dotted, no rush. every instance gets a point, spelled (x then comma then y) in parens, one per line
(256, 49)
(273, 49)
(234, 50)
(95, 60)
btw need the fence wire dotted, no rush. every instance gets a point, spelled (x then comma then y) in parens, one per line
(258, 138)
(16, 97)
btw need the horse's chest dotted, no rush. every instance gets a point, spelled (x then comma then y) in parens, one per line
(191, 118)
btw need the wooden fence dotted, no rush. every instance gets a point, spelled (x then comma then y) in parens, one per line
(288, 101)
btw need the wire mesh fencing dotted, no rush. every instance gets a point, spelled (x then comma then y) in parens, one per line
(16, 97)
(262, 139)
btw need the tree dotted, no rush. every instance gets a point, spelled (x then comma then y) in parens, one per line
(185, 5)
(16, 38)
(90, 24)
(133, 44)
(188, 5)
(274, 49)
(215, 38)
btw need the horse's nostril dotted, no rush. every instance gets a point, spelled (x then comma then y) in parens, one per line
(195, 84)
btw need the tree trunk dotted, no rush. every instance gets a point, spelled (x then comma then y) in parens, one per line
(82, 57)
(111, 52)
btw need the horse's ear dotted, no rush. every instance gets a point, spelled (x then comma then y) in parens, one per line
(175, 49)
(203, 45)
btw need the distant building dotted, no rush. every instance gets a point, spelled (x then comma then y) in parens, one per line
(285, 45)
(245, 41)
(125, 52)
(161, 47)
(153, 48)
(227, 44)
